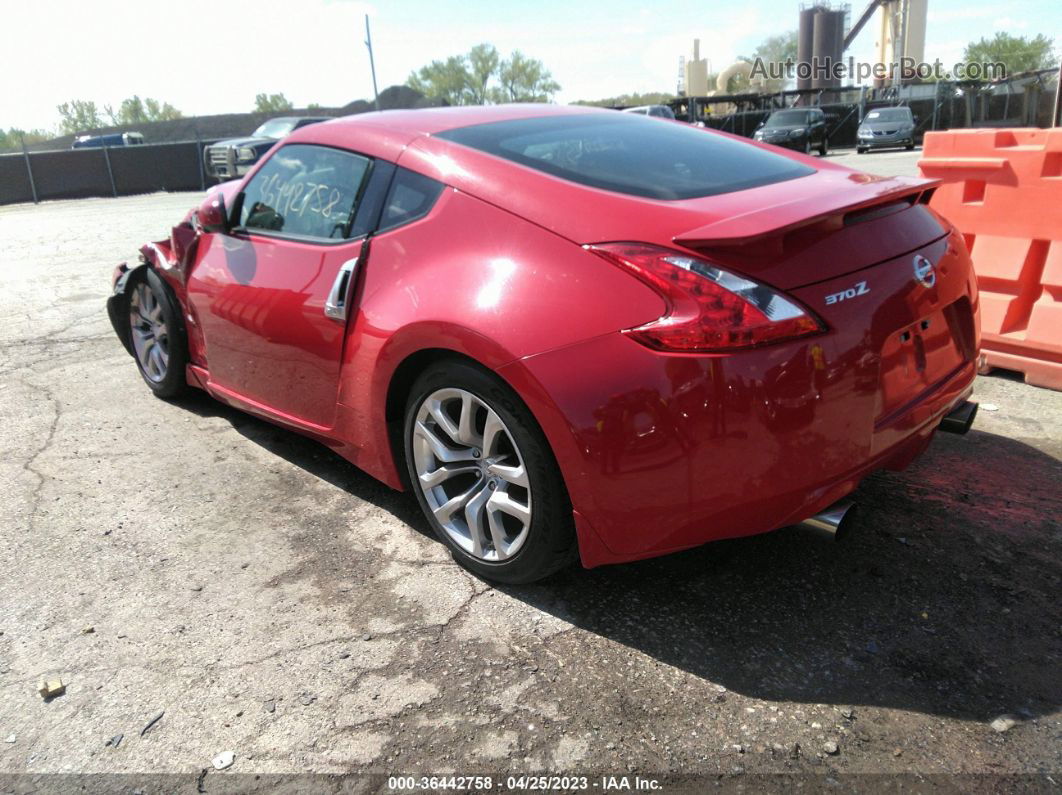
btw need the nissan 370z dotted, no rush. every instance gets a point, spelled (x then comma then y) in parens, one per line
(571, 333)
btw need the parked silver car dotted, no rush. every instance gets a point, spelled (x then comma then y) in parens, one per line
(886, 127)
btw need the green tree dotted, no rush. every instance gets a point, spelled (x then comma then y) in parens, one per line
(448, 81)
(79, 116)
(524, 79)
(778, 49)
(1016, 53)
(13, 137)
(161, 111)
(483, 62)
(135, 111)
(481, 77)
(271, 103)
(629, 100)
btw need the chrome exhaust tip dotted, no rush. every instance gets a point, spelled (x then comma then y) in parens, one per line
(960, 418)
(832, 523)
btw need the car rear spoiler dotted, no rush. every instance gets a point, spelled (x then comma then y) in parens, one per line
(875, 196)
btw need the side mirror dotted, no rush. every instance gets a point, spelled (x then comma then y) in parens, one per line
(915, 119)
(212, 215)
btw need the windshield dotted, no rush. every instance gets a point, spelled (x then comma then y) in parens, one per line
(632, 154)
(788, 118)
(275, 128)
(888, 114)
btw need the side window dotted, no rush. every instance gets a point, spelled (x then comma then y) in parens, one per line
(305, 191)
(411, 197)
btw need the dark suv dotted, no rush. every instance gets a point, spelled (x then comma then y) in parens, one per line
(802, 129)
(234, 157)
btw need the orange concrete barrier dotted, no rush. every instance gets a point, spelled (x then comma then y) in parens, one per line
(1003, 190)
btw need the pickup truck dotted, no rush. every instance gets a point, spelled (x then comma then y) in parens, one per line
(111, 139)
(234, 157)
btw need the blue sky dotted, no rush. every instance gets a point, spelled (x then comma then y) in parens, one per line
(213, 57)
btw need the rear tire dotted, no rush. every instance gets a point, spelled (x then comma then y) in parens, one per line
(860, 150)
(909, 147)
(485, 476)
(156, 334)
(823, 148)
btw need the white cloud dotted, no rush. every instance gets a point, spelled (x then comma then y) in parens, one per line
(1010, 24)
(958, 14)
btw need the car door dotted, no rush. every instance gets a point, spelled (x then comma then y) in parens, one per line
(271, 295)
(818, 128)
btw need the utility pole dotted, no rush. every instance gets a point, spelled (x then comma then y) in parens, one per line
(372, 63)
(29, 168)
(1056, 117)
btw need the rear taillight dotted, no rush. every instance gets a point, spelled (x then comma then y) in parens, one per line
(710, 310)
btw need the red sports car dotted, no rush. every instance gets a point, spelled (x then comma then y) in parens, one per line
(570, 332)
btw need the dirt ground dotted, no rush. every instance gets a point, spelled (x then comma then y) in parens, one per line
(269, 599)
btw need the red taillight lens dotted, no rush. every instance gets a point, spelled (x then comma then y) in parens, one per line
(710, 310)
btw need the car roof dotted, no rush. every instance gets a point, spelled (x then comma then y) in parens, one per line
(387, 133)
(429, 121)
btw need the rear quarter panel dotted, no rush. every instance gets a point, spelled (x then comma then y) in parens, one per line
(479, 281)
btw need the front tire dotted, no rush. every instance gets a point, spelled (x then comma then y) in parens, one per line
(156, 332)
(485, 477)
(823, 147)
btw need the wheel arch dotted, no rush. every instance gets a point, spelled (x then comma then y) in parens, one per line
(400, 385)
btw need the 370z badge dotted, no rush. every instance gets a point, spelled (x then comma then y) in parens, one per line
(859, 288)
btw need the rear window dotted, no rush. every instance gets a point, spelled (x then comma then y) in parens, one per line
(632, 154)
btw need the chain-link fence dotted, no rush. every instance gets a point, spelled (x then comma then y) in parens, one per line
(170, 159)
(103, 171)
(1024, 101)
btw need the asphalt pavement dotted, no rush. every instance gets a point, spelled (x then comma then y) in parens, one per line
(268, 599)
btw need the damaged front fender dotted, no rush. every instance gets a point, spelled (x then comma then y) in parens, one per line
(170, 257)
(118, 304)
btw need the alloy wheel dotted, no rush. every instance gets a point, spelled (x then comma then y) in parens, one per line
(150, 335)
(472, 474)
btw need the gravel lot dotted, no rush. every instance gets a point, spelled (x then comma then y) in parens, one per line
(887, 162)
(271, 600)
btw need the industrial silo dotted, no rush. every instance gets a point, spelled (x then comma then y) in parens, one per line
(805, 42)
(827, 45)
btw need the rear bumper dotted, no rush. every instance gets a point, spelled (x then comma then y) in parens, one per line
(662, 453)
